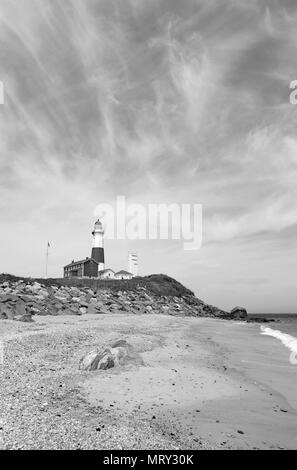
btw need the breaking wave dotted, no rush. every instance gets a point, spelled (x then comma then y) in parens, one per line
(289, 341)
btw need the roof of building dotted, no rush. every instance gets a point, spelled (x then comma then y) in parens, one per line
(83, 261)
(124, 272)
(106, 270)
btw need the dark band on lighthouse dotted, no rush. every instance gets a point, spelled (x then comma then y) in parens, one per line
(98, 254)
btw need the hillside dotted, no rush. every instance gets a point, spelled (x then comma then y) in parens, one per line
(22, 298)
(159, 284)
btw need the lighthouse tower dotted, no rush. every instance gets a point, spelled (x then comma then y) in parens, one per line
(98, 245)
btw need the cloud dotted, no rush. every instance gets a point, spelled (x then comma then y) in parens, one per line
(162, 101)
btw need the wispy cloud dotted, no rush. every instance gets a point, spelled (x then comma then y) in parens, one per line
(169, 101)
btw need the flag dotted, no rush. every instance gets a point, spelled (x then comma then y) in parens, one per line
(48, 245)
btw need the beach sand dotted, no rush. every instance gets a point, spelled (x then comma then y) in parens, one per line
(206, 383)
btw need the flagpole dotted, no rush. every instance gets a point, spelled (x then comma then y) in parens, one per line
(46, 260)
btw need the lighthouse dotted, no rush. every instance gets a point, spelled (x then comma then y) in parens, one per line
(94, 267)
(98, 245)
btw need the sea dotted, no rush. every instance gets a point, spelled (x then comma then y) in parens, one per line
(283, 327)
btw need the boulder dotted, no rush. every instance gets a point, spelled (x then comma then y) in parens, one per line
(26, 318)
(34, 287)
(92, 309)
(20, 307)
(4, 312)
(114, 306)
(58, 305)
(238, 313)
(8, 298)
(118, 354)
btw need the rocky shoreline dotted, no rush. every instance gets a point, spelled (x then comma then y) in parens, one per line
(21, 300)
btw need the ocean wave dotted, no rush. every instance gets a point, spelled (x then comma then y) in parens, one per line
(289, 341)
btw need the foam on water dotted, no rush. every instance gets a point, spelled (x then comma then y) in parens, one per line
(289, 341)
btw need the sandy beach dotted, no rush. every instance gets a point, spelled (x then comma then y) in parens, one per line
(205, 384)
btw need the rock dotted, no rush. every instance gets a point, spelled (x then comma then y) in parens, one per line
(8, 298)
(93, 309)
(114, 306)
(124, 308)
(118, 354)
(26, 318)
(70, 310)
(238, 313)
(43, 293)
(4, 312)
(20, 307)
(58, 305)
(103, 311)
(165, 309)
(28, 297)
(260, 320)
(35, 287)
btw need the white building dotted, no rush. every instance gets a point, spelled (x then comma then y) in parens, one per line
(107, 274)
(123, 275)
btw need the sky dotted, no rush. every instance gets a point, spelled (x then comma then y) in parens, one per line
(160, 101)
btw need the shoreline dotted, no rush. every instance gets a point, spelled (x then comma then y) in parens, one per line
(207, 383)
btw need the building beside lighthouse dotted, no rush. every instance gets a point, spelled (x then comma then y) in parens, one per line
(84, 268)
(94, 267)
